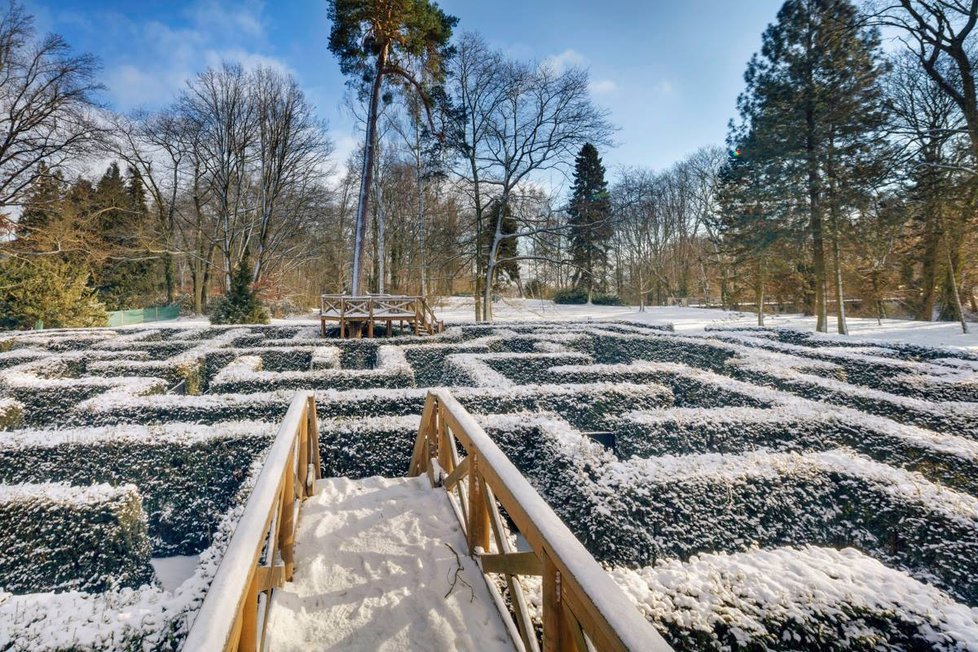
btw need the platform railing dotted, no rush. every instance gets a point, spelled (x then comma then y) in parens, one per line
(353, 312)
(260, 554)
(583, 608)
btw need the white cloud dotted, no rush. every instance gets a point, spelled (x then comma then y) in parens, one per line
(569, 58)
(603, 86)
(216, 31)
(665, 87)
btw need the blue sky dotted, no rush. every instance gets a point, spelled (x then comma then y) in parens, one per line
(668, 70)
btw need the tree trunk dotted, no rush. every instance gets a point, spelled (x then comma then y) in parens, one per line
(366, 175)
(759, 291)
(953, 282)
(929, 267)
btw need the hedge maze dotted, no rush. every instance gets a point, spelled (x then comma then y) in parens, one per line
(749, 488)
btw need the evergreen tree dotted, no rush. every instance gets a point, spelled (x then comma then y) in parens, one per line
(377, 40)
(43, 203)
(241, 304)
(125, 278)
(814, 110)
(48, 290)
(590, 222)
(508, 249)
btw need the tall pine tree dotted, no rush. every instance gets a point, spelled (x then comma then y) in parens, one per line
(590, 224)
(813, 108)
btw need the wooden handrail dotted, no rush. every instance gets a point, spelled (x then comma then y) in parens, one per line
(355, 310)
(230, 617)
(581, 603)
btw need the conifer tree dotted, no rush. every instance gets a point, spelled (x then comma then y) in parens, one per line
(813, 106)
(590, 222)
(241, 304)
(42, 205)
(378, 40)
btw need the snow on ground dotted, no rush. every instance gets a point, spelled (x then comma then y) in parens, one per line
(374, 571)
(692, 320)
(174, 571)
(696, 319)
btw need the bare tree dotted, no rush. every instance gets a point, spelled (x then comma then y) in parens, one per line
(940, 35)
(519, 120)
(47, 102)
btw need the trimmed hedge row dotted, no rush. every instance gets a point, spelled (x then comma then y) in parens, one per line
(187, 475)
(637, 512)
(54, 537)
(360, 448)
(800, 428)
(795, 599)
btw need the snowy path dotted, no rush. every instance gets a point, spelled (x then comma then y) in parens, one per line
(372, 571)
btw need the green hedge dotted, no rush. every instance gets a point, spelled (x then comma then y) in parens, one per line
(571, 296)
(187, 481)
(54, 537)
(794, 427)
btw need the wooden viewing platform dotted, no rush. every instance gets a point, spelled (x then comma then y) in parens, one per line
(352, 313)
(370, 564)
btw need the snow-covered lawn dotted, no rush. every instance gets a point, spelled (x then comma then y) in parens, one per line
(695, 320)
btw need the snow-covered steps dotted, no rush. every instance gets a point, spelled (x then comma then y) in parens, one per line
(381, 564)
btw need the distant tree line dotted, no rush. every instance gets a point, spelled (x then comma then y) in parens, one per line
(847, 184)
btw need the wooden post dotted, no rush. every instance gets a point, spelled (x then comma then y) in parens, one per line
(303, 464)
(478, 530)
(249, 619)
(370, 318)
(314, 443)
(286, 532)
(556, 629)
(444, 447)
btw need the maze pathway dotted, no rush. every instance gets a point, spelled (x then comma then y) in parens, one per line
(377, 569)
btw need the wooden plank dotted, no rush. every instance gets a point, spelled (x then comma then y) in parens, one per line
(574, 631)
(444, 449)
(512, 563)
(457, 474)
(418, 461)
(270, 577)
(517, 599)
(478, 530)
(249, 619)
(316, 459)
(553, 611)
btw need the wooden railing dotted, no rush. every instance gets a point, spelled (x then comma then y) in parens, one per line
(260, 555)
(352, 312)
(582, 605)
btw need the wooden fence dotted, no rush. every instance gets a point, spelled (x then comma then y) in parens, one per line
(352, 313)
(259, 556)
(582, 605)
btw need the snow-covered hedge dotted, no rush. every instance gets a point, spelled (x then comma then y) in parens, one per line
(57, 537)
(146, 618)
(648, 509)
(187, 474)
(245, 375)
(360, 448)
(803, 598)
(799, 425)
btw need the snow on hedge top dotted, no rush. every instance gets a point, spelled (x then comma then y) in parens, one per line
(184, 434)
(61, 492)
(641, 474)
(754, 590)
